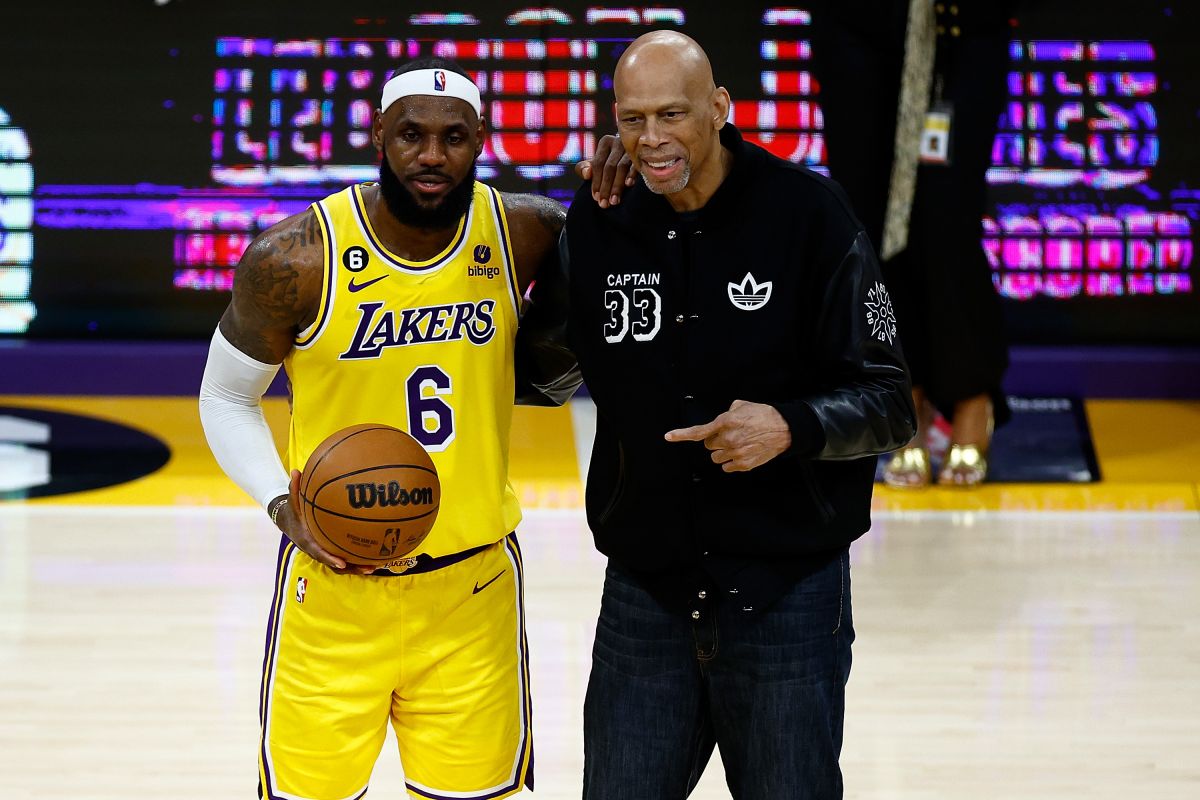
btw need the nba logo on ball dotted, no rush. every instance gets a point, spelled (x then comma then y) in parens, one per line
(439, 81)
(301, 589)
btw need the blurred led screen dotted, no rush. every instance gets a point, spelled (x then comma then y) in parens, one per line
(143, 152)
(1082, 123)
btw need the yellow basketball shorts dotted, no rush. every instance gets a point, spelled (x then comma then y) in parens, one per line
(440, 654)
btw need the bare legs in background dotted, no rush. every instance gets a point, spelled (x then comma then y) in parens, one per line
(965, 461)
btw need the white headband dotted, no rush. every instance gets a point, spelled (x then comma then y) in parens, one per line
(434, 82)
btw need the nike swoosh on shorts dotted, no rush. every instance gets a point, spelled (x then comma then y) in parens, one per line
(479, 588)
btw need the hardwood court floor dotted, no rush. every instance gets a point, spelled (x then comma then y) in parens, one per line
(999, 655)
(1017, 641)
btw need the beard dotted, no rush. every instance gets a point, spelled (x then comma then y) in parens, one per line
(676, 185)
(404, 207)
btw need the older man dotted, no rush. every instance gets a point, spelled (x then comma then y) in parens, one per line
(733, 330)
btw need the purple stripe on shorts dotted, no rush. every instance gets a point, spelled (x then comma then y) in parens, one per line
(286, 550)
(270, 635)
(489, 796)
(511, 540)
(511, 546)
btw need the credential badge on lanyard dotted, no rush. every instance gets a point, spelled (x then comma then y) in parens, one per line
(935, 138)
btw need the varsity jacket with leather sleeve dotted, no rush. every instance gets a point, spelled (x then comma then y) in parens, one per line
(770, 293)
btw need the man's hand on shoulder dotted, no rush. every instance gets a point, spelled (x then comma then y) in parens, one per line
(610, 170)
(276, 288)
(535, 223)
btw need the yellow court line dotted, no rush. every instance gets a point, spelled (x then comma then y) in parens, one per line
(544, 469)
(1146, 441)
(1149, 453)
(1103, 496)
(190, 477)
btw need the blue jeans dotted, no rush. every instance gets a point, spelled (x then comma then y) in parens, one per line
(768, 691)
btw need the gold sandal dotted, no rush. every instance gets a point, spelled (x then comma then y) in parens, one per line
(908, 468)
(965, 465)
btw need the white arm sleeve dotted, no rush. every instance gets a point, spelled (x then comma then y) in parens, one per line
(231, 413)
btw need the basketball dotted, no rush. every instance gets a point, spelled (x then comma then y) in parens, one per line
(370, 494)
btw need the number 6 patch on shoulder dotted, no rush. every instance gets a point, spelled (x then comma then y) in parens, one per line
(355, 258)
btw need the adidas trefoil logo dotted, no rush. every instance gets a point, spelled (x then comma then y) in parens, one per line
(749, 295)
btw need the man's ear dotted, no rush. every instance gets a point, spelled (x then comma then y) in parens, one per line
(377, 130)
(481, 136)
(721, 103)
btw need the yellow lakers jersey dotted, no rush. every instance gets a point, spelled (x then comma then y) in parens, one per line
(426, 347)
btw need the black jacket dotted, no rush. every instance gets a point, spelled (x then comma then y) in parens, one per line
(656, 325)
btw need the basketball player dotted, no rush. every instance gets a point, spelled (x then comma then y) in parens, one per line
(734, 333)
(394, 302)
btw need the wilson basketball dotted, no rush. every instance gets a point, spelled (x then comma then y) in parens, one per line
(370, 494)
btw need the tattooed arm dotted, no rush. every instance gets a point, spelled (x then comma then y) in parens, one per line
(276, 292)
(547, 372)
(276, 289)
(535, 223)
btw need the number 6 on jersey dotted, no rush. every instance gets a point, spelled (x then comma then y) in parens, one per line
(430, 419)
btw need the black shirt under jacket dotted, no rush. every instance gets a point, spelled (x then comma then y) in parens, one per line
(770, 293)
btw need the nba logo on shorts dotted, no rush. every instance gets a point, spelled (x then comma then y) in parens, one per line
(301, 589)
(439, 81)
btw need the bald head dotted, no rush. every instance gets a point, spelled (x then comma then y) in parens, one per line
(660, 54)
(669, 116)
